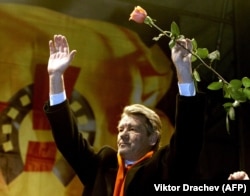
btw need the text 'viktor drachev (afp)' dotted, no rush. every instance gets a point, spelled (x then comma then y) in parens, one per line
(239, 187)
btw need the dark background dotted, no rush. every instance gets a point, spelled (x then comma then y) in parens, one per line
(216, 25)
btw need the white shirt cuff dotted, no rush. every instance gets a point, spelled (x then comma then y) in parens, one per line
(57, 98)
(187, 89)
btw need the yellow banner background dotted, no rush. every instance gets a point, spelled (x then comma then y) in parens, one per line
(116, 69)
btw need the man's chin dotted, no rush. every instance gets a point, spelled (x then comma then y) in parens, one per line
(123, 152)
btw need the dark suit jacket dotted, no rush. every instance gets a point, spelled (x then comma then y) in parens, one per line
(97, 171)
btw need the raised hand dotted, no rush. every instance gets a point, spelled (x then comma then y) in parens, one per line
(60, 55)
(181, 58)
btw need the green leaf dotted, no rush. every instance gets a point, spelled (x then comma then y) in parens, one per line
(246, 82)
(231, 113)
(226, 91)
(196, 75)
(193, 58)
(181, 37)
(237, 94)
(175, 29)
(227, 124)
(171, 43)
(246, 91)
(194, 44)
(227, 105)
(235, 83)
(202, 52)
(215, 85)
(215, 55)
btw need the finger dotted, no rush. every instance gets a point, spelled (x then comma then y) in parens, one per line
(182, 48)
(189, 44)
(64, 45)
(60, 43)
(181, 42)
(57, 42)
(51, 47)
(178, 46)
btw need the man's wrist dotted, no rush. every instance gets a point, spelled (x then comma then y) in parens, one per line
(187, 89)
(57, 98)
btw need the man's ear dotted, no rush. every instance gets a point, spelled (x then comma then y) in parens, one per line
(153, 138)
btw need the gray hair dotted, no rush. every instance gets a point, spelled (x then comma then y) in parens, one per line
(153, 121)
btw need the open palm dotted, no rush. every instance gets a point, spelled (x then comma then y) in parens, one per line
(60, 55)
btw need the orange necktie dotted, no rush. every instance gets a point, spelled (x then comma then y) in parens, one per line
(121, 173)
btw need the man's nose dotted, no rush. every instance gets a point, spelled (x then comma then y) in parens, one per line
(124, 135)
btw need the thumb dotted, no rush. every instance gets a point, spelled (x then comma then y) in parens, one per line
(72, 54)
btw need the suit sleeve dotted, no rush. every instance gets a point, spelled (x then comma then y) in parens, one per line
(187, 141)
(70, 142)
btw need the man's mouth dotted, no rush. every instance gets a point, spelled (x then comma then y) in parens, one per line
(123, 144)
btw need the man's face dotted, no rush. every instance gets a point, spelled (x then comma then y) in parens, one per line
(133, 141)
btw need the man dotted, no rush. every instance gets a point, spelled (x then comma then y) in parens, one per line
(138, 164)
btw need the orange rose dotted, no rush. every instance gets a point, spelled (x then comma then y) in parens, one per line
(138, 15)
